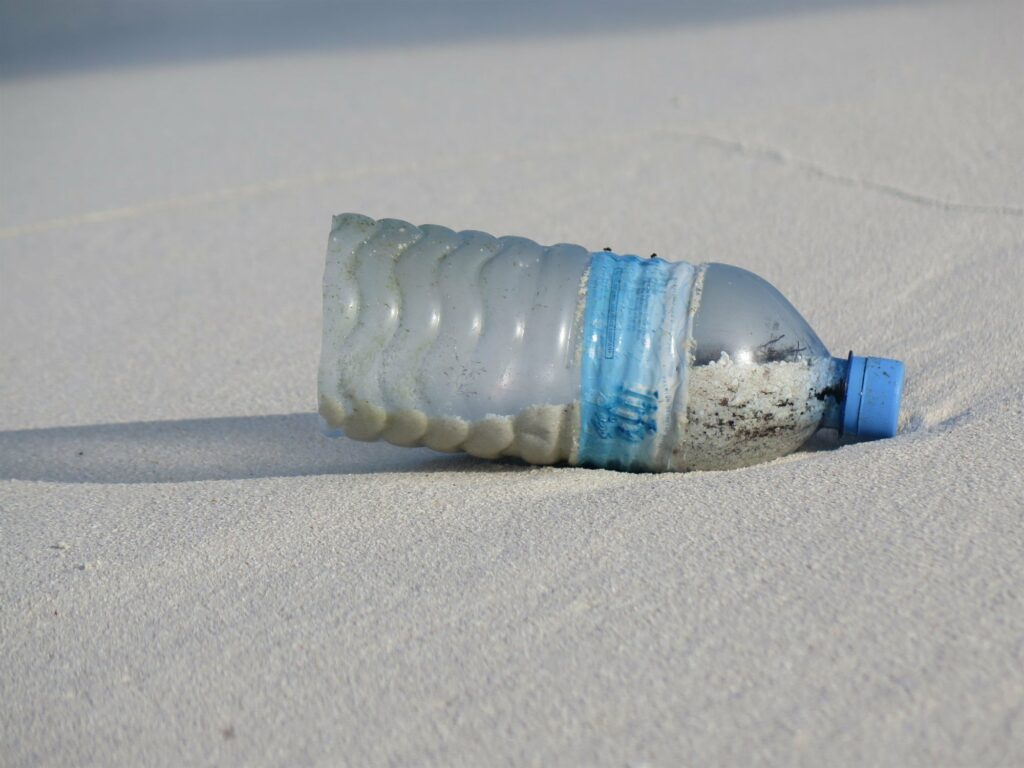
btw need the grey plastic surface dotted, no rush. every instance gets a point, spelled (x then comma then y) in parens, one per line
(746, 317)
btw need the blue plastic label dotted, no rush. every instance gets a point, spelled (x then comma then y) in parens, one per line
(630, 358)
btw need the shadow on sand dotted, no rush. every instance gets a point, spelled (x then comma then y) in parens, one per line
(230, 448)
(286, 445)
(69, 35)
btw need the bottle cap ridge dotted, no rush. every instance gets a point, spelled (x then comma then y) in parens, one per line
(874, 391)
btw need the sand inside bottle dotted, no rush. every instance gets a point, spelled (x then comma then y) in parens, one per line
(737, 414)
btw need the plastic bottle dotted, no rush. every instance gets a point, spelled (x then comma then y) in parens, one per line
(461, 341)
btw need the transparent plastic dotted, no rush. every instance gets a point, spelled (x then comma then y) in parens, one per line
(761, 381)
(459, 341)
(747, 318)
(498, 346)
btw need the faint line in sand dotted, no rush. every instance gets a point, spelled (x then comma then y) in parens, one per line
(246, 191)
(732, 146)
(814, 170)
(227, 195)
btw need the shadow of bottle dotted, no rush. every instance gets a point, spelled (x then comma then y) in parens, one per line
(285, 445)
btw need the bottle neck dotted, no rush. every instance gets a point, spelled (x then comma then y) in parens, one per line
(835, 395)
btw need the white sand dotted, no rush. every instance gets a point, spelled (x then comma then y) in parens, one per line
(191, 574)
(741, 414)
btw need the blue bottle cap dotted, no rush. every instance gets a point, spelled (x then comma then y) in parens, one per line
(874, 390)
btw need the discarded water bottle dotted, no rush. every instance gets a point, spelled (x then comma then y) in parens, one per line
(498, 346)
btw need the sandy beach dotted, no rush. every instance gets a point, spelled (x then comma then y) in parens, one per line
(191, 574)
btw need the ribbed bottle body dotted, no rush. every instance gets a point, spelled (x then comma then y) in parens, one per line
(453, 340)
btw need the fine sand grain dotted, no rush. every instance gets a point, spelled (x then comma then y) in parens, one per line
(191, 574)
